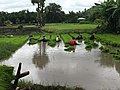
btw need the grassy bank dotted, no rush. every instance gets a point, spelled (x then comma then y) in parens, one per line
(111, 44)
(5, 77)
(69, 27)
(109, 39)
(9, 45)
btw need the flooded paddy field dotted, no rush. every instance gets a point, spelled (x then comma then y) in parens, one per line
(91, 70)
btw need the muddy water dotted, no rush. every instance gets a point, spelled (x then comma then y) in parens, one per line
(91, 70)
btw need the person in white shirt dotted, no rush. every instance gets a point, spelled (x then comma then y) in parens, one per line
(58, 39)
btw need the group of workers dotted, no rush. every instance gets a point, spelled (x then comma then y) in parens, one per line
(44, 39)
(71, 42)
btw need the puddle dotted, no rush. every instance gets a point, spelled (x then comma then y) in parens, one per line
(91, 70)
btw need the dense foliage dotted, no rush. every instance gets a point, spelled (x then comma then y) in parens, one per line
(39, 9)
(107, 14)
(50, 14)
(23, 16)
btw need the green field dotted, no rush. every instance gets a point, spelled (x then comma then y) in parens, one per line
(69, 27)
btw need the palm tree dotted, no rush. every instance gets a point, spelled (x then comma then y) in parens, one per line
(111, 13)
(39, 9)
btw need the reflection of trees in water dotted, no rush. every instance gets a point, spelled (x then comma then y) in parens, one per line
(106, 60)
(40, 58)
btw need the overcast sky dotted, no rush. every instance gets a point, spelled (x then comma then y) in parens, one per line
(67, 5)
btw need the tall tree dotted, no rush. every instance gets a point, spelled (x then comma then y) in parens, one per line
(72, 17)
(111, 13)
(39, 9)
(54, 13)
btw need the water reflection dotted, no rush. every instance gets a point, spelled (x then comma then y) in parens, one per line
(106, 60)
(117, 67)
(57, 44)
(40, 58)
(91, 70)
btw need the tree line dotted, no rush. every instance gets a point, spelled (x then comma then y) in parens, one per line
(106, 14)
(52, 14)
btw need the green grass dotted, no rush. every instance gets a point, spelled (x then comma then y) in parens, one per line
(111, 44)
(69, 27)
(10, 45)
(75, 35)
(52, 41)
(109, 39)
(5, 77)
(66, 38)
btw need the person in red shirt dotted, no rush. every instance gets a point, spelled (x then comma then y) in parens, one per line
(73, 42)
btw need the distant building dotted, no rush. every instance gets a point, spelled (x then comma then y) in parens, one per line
(79, 19)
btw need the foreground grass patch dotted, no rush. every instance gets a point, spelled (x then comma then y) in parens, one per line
(10, 45)
(5, 77)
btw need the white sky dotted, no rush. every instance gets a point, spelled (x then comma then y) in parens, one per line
(67, 5)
